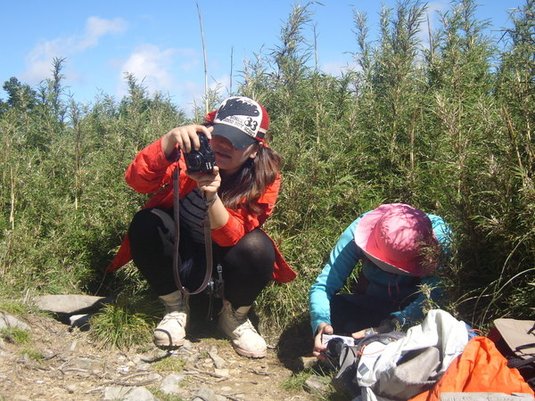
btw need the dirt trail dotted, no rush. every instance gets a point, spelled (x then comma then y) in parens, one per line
(59, 363)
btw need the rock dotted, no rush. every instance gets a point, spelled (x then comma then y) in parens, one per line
(70, 304)
(71, 388)
(188, 346)
(205, 394)
(222, 373)
(9, 321)
(219, 362)
(73, 346)
(171, 384)
(139, 394)
(317, 384)
(117, 393)
(154, 355)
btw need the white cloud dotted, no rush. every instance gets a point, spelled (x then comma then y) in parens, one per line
(170, 71)
(39, 59)
(152, 66)
(96, 27)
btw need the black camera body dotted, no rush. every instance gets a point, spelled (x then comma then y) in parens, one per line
(202, 160)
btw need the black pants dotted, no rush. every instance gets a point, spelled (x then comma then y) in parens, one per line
(354, 312)
(247, 266)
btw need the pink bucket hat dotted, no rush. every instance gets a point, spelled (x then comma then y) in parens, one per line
(399, 239)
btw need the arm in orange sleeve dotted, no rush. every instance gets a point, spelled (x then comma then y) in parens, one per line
(147, 172)
(241, 221)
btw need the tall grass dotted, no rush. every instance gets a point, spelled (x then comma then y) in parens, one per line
(445, 125)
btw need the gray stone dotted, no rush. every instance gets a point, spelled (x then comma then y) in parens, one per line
(188, 346)
(219, 362)
(70, 304)
(152, 377)
(154, 355)
(71, 388)
(82, 367)
(73, 346)
(171, 384)
(205, 394)
(139, 394)
(112, 393)
(143, 366)
(316, 384)
(116, 393)
(9, 321)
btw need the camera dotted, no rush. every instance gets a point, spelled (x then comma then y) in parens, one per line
(202, 160)
(336, 346)
(326, 338)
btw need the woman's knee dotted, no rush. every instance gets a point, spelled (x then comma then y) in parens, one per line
(256, 246)
(148, 222)
(151, 233)
(253, 256)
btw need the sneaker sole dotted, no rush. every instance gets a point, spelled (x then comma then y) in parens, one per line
(168, 347)
(249, 354)
(166, 344)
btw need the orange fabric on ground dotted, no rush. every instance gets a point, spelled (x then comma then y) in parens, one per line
(480, 368)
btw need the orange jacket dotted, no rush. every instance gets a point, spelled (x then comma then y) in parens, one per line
(480, 368)
(151, 172)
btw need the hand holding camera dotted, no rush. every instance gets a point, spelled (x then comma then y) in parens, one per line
(185, 138)
(319, 347)
(201, 160)
(326, 338)
(193, 140)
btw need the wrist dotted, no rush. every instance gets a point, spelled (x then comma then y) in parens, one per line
(321, 327)
(211, 199)
(169, 147)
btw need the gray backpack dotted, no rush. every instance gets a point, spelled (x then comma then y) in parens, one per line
(346, 358)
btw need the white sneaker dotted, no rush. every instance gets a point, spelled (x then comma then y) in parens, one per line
(245, 339)
(171, 331)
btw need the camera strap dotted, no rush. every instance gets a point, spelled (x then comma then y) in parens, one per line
(207, 241)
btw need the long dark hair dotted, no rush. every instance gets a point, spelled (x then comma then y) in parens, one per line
(250, 182)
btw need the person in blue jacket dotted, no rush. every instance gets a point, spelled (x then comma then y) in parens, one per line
(399, 249)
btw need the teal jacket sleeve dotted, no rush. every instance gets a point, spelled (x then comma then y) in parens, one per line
(342, 260)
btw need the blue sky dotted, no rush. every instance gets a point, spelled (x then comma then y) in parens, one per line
(160, 41)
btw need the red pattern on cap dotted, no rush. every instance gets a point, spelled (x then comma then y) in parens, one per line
(209, 118)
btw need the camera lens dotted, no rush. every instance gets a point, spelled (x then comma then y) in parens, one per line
(334, 348)
(194, 161)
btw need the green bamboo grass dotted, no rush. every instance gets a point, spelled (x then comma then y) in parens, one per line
(442, 120)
